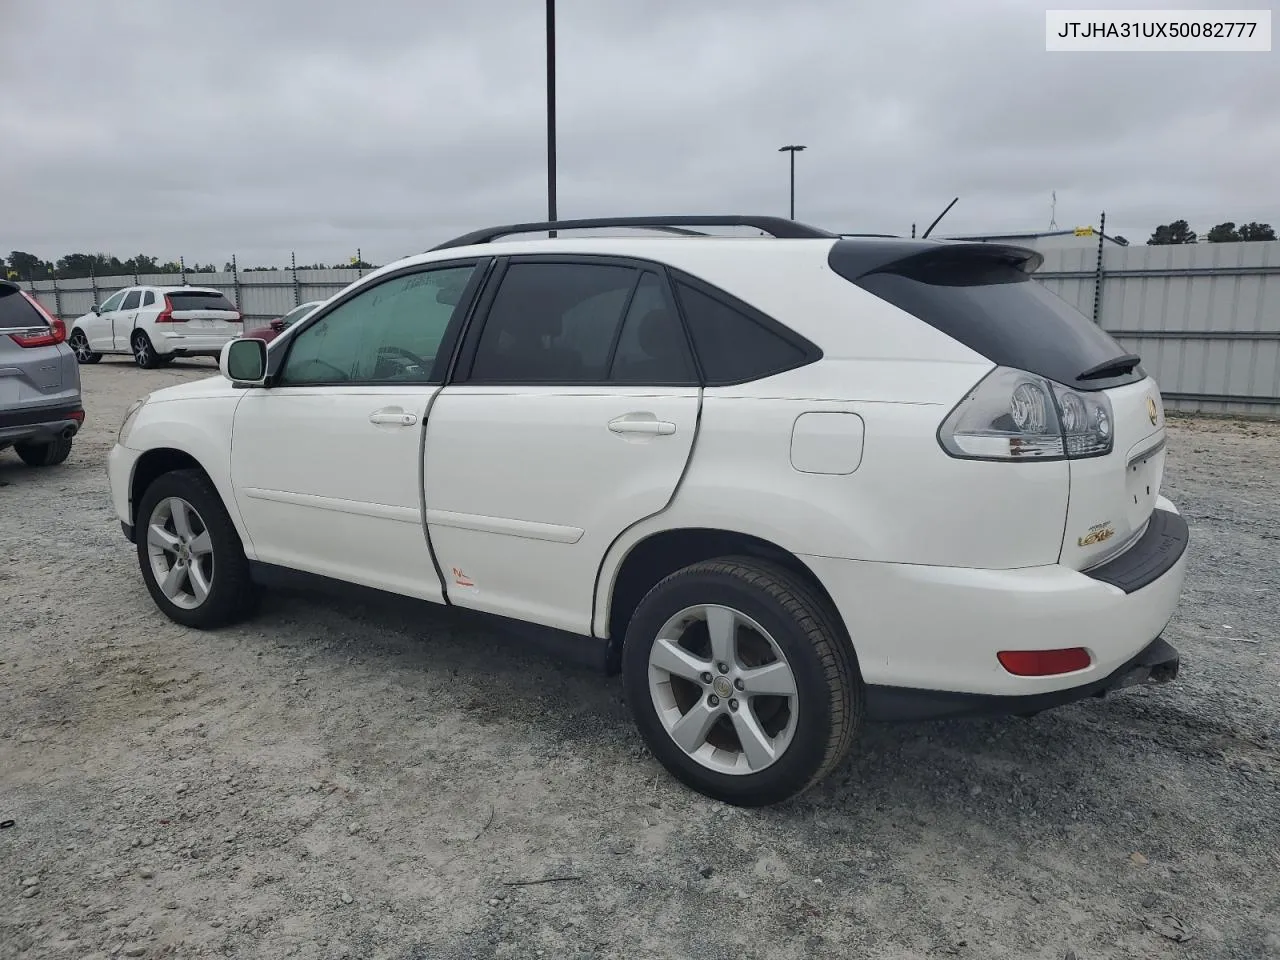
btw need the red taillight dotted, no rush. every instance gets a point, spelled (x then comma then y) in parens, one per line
(77, 416)
(166, 315)
(1044, 663)
(57, 332)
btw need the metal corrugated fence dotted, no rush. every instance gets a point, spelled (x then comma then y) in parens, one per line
(1205, 318)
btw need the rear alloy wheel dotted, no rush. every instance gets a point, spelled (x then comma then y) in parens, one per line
(44, 454)
(190, 553)
(144, 354)
(80, 344)
(741, 680)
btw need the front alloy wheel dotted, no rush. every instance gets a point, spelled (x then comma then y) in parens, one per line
(190, 554)
(181, 552)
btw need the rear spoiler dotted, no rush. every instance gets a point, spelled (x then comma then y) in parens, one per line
(853, 259)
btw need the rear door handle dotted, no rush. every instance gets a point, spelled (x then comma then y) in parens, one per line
(393, 416)
(649, 425)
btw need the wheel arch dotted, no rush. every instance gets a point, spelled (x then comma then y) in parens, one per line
(663, 552)
(155, 463)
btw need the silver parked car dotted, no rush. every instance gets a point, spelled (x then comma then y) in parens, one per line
(40, 405)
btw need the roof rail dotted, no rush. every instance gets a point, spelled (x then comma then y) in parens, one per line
(779, 227)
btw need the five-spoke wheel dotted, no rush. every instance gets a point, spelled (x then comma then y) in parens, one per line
(742, 680)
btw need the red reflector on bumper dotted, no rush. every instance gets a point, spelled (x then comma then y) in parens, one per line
(1043, 663)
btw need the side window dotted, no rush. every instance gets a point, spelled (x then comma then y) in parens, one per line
(732, 347)
(388, 333)
(148, 298)
(652, 347)
(131, 300)
(553, 323)
(112, 303)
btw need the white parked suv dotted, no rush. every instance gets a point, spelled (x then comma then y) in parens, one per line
(783, 484)
(157, 324)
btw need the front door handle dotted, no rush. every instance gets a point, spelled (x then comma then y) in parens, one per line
(649, 425)
(393, 416)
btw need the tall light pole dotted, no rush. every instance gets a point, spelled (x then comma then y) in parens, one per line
(793, 149)
(551, 112)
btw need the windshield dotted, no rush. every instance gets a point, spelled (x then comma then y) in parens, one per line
(296, 314)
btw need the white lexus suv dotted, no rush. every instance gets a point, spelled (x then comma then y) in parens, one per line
(783, 484)
(156, 325)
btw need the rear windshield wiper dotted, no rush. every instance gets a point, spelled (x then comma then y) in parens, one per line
(1111, 368)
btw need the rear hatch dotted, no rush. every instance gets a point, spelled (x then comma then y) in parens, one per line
(35, 368)
(205, 312)
(984, 296)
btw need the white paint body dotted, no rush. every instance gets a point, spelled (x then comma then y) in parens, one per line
(532, 501)
(195, 332)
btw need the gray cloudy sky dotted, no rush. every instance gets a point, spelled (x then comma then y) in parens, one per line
(206, 128)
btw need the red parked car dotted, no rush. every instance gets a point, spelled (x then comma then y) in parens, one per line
(280, 324)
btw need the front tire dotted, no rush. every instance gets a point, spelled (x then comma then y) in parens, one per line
(742, 681)
(144, 353)
(191, 556)
(79, 343)
(48, 454)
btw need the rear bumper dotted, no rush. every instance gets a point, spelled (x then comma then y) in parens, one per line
(40, 424)
(191, 345)
(1156, 663)
(937, 630)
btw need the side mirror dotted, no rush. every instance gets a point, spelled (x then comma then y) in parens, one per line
(243, 361)
(95, 309)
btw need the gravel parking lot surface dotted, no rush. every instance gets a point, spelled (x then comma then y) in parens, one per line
(336, 780)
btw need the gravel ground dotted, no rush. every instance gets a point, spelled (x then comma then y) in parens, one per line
(336, 780)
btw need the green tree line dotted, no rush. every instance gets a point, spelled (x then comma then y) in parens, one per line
(1179, 231)
(20, 265)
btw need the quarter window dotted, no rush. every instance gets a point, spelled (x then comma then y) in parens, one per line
(731, 346)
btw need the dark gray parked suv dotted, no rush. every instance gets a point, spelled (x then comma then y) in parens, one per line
(40, 405)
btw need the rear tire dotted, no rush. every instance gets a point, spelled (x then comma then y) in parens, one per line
(44, 454)
(144, 353)
(807, 729)
(80, 344)
(182, 524)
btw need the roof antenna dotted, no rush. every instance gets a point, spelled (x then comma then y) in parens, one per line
(940, 216)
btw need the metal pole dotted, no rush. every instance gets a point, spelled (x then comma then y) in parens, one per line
(182, 265)
(57, 295)
(235, 282)
(793, 149)
(359, 264)
(1097, 276)
(93, 285)
(551, 113)
(913, 231)
(293, 269)
(793, 184)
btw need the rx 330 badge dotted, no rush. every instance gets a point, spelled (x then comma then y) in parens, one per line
(1098, 533)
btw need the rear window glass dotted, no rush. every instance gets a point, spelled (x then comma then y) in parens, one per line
(15, 311)
(200, 301)
(999, 311)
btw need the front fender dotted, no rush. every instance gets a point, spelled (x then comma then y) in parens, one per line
(201, 428)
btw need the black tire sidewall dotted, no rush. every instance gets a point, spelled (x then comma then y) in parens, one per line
(805, 754)
(48, 454)
(229, 564)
